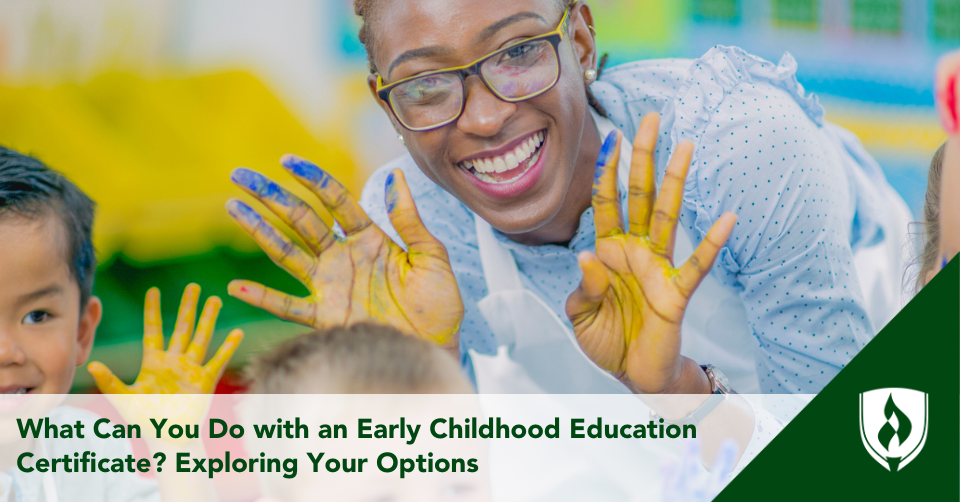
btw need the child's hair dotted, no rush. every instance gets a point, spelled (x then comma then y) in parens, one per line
(358, 359)
(929, 256)
(30, 189)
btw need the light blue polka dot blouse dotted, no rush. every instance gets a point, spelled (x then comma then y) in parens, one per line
(802, 189)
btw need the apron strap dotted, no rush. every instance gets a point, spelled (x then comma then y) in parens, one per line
(499, 267)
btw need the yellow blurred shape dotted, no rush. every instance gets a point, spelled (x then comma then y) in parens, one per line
(650, 22)
(156, 154)
(893, 134)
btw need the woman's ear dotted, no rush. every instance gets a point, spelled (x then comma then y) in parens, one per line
(584, 42)
(87, 330)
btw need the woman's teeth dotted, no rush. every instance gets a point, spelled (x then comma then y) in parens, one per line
(529, 150)
(21, 390)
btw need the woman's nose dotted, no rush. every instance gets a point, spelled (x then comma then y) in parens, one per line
(483, 113)
(11, 354)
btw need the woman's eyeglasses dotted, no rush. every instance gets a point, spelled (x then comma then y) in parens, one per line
(515, 73)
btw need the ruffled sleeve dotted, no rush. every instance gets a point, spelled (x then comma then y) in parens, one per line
(762, 151)
(713, 81)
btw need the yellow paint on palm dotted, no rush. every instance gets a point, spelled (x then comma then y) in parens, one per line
(388, 311)
(176, 371)
(362, 276)
(627, 311)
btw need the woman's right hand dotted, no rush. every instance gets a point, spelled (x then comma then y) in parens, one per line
(362, 276)
(628, 309)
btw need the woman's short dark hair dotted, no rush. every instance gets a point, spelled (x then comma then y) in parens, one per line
(30, 189)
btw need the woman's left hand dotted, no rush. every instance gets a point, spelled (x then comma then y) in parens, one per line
(627, 311)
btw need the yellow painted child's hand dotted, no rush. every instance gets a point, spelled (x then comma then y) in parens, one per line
(359, 276)
(627, 311)
(179, 369)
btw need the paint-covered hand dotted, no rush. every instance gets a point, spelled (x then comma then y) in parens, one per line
(627, 310)
(180, 368)
(173, 383)
(360, 275)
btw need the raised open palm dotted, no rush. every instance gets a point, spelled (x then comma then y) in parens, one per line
(627, 311)
(179, 369)
(173, 383)
(359, 276)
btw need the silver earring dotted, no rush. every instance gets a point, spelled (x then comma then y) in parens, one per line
(590, 74)
(400, 137)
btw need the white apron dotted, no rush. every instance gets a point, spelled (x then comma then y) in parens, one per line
(538, 352)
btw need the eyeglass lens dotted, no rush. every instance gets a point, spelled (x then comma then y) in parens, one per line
(514, 74)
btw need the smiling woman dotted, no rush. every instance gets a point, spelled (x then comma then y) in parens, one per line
(537, 233)
(761, 149)
(488, 127)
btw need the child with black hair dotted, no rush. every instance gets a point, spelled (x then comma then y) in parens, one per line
(48, 320)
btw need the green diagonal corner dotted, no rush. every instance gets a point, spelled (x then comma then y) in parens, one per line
(820, 455)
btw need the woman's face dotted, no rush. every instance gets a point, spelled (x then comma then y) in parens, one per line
(416, 36)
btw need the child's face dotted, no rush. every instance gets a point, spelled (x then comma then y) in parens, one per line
(950, 200)
(44, 333)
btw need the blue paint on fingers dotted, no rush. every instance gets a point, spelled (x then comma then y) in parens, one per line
(307, 170)
(606, 152)
(248, 179)
(240, 211)
(391, 195)
(603, 159)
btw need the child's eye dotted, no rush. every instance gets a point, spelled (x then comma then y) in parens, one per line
(37, 317)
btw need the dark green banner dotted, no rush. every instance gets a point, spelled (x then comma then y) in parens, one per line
(887, 427)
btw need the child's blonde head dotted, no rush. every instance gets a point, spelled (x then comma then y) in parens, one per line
(358, 359)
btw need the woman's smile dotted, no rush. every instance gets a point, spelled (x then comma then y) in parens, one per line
(492, 155)
(510, 170)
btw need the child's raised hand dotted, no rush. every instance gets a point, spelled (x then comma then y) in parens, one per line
(627, 311)
(180, 368)
(359, 276)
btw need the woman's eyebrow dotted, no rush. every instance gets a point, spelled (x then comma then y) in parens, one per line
(423, 52)
(492, 30)
(486, 33)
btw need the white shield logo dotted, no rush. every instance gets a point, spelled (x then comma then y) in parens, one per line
(893, 425)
